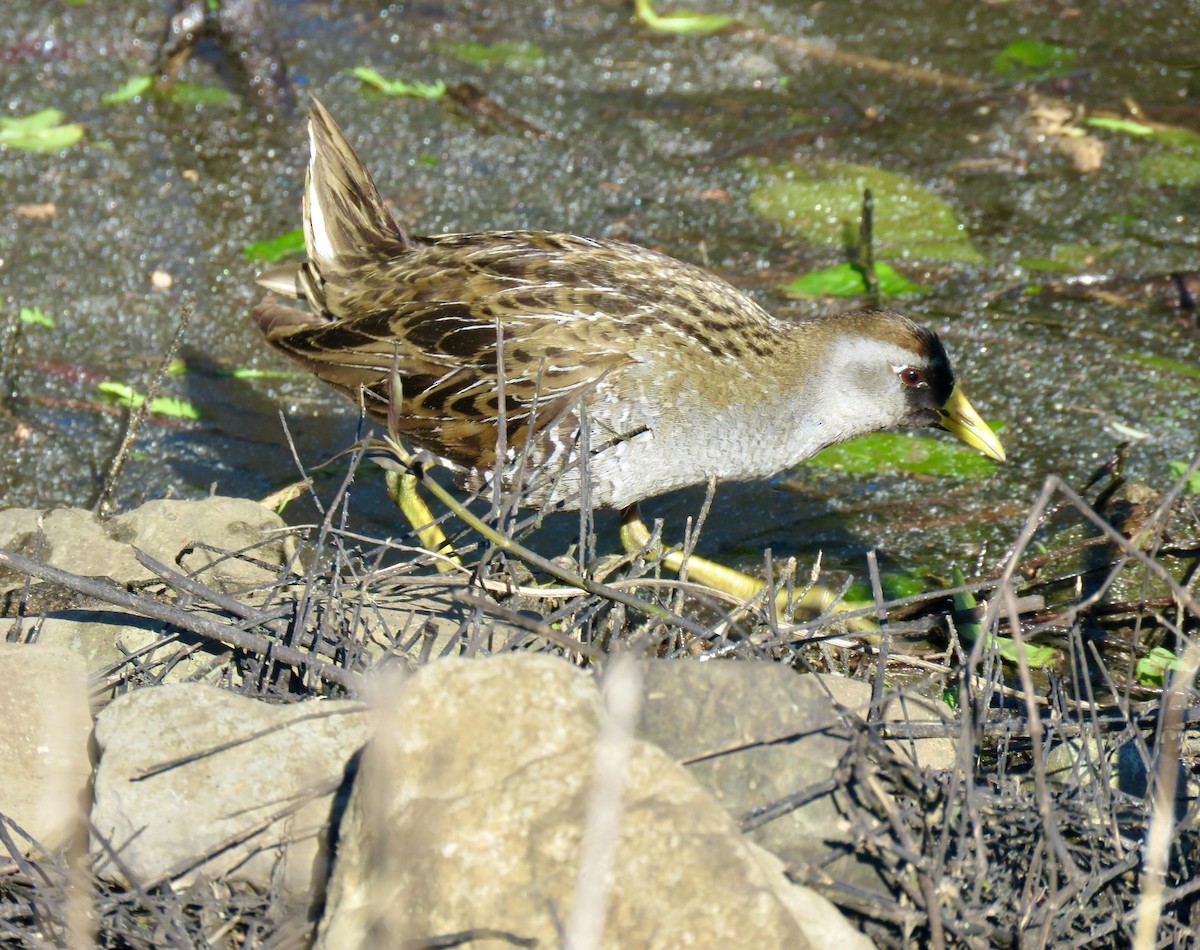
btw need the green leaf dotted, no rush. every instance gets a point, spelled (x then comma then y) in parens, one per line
(35, 316)
(175, 408)
(276, 248)
(397, 87)
(512, 55)
(189, 94)
(1033, 59)
(1176, 136)
(1047, 264)
(124, 395)
(1176, 162)
(261, 374)
(1192, 486)
(41, 121)
(1152, 669)
(40, 132)
(964, 600)
(1006, 648)
(822, 203)
(121, 394)
(846, 280)
(1179, 169)
(895, 584)
(919, 454)
(1127, 126)
(184, 93)
(130, 89)
(1173, 135)
(1068, 258)
(680, 21)
(1165, 364)
(1038, 657)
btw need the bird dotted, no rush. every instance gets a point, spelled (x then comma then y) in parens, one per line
(577, 370)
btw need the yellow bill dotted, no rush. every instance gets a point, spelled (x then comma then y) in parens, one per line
(960, 418)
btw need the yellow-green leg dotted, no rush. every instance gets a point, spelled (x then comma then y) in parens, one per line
(635, 536)
(402, 489)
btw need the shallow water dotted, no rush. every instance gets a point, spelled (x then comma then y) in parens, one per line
(654, 139)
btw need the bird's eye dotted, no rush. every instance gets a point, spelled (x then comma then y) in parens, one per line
(912, 377)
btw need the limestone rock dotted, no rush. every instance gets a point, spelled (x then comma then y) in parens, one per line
(899, 708)
(469, 811)
(111, 641)
(79, 541)
(196, 782)
(192, 537)
(756, 734)
(44, 732)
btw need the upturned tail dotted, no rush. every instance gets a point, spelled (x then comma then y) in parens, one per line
(345, 220)
(346, 225)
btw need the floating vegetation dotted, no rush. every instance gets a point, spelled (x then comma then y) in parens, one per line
(679, 21)
(1027, 59)
(122, 394)
(42, 131)
(511, 55)
(275, 249)
(36, 317)
(820, 202)
(897, 451)
(847, 280)
(397, 87)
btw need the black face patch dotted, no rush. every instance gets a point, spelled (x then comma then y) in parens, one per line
(925, 402)
(938, 374)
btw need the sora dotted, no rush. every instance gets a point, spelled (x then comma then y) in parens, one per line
(678, 376)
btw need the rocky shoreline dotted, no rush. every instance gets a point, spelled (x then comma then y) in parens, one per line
(233, 746)
(444, 796)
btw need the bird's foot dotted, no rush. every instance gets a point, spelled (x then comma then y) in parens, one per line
(816, 601)
(402, 489)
